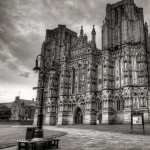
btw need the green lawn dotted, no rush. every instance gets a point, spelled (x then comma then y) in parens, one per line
(10, 134)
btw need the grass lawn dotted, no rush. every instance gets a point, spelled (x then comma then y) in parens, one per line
(9, 135)
(120, 128)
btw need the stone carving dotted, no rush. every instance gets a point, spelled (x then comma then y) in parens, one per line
(104, 82)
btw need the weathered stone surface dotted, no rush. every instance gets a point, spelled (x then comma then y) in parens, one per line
(104, 84)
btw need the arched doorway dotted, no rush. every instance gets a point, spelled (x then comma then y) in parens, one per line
(78, 116)
(99, 118)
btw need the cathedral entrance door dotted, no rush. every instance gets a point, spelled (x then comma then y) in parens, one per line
(78, 117)
(99, 118)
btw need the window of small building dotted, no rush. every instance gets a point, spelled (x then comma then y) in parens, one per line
(118, 105)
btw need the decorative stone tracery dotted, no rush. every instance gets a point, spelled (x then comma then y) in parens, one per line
(102, 84)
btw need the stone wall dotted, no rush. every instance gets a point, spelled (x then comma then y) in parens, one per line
(97, 84)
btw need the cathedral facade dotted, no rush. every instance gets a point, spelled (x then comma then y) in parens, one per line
(86, 85)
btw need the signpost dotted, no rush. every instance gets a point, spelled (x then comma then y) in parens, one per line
(137, 118)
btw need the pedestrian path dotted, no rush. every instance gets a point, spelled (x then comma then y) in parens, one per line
(88, 139)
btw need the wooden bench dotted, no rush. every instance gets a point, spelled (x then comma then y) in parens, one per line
(35, 145)
(23, 145)
(53, 143)
(29, 144)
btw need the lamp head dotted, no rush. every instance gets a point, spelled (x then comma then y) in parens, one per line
(36, 68)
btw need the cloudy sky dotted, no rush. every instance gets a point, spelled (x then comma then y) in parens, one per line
(22, 30)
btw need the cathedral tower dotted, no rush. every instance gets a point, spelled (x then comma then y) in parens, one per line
(125, 67)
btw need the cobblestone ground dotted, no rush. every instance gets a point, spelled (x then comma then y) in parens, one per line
(89, 139)
(83, 139)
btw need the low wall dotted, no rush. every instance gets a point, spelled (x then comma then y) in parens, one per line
(16, 122)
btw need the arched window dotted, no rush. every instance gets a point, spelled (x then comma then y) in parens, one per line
(80, 79)
(84, 78)
(116, 16)
(100, 105)
(73, 80)
(118, 105)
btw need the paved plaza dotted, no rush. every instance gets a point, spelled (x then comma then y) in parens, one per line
(83, 139)
(89, 139)
(9, 134)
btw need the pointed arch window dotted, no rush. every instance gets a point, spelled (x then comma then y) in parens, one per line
(118, 105)
(116, 17)
(73, 80)
(80, 78)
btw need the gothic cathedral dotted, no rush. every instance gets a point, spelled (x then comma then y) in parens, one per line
(86, 85)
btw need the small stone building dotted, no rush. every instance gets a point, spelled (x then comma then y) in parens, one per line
(22, 109)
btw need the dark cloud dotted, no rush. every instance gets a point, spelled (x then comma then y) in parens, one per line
(23, 25)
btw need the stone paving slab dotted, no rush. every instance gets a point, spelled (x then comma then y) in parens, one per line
(83, 139)
(89, 139)
(116, 128)
(10, 134)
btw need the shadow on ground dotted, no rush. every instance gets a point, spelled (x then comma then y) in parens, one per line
(10, 134)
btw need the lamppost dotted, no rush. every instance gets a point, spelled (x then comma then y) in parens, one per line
(43, 71)
(36, 139)
(34, 136)
(42, 74)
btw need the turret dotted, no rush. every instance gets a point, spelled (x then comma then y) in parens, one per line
(81, 31)
(17, 98)
(85, 38)
(93, 35)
